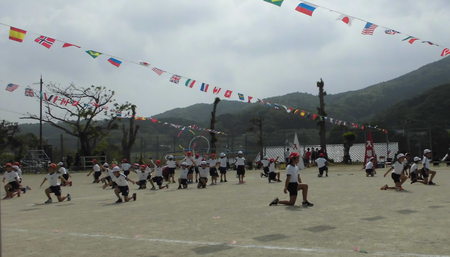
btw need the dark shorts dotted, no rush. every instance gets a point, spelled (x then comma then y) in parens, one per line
(396, 177)
(56, 190)
(405, 168)
(266, 170)
(65, 176)
(196, 170)
(97, 175)
(142, 182)
(272, 175)
(241, 170)
(158, 180)
(213, 172)
(124, 190)
(184, 182)
(191, 170)
(413, 175)
(171, 171)
(149, 176)
(322, 169)
(292, 189)
(206, 180)
(223, 170)
(14, 186)
(126, 172)
(424, 172)
(108, 178)
(369, 171)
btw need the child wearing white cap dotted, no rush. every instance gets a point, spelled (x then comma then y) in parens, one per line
(240, 167)
(65, 174)
(426, 172)
(97, 171)
(122, 186)
(107, 173)
(212, 163)
(203, 171)
(397, 174)
(171, 164)
(223, 167)
(183, 179)
(414, 170)
(265, 163)
(370, 170)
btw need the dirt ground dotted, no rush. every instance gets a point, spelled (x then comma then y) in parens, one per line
(350, 213)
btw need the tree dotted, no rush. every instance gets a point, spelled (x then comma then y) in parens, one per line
(22, 143)
(349, 138)
(212, 125)
(259, 123)
(321, 112)
(7, 132)
(129, 135)
(75, 110)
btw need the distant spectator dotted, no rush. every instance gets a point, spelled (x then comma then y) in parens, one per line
(69, 160)
(77, 161)
(286, 155)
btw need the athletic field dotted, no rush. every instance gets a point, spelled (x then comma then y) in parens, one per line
(351, 217)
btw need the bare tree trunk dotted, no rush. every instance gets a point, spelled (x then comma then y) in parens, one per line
(212, 125)
(129, 136)
(322, 114)
(259, 123)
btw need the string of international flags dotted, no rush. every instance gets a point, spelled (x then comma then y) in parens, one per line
(304, 7)
(369, 28)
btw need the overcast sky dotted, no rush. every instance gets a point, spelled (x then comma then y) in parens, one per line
(247, 46)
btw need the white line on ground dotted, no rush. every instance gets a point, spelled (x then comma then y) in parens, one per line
(268, 247)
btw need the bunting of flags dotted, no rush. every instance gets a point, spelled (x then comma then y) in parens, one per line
(181, 126)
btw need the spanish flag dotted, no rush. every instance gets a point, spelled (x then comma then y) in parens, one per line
(17, 34)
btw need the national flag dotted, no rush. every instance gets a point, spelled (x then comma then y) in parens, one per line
(11, 87)
(369, 29)
(216, 90)
(296, 111)
(268, 104)
(306, 8)
(204, 87)
(190, 83)
(119, 114)
(314, 116)
(288, 110)
(250, 99)
(228, 93)
(68, 45)
(391, 32)
(275, 105)
(114, 62)
(241, 96)
(48, 98)
(260, 101)
(93, 54)
(64, 101)
(75, 103)
(175, 79)
(302, 113)
(345, 19)
(430, 43)
(158, 71)
(146, 64)
(445, 52)
(29, 92)
(345, 123)
(45, 41)
(16, 34)
(410, 39)
(309, 115)
(275, 2)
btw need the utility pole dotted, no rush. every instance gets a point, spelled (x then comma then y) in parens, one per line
(321, 112)
(62, 147)
(40, 115)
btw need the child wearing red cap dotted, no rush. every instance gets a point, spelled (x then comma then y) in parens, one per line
(293, 184)
(212, 162)
(55, 188)
(62, 170)
(275, 176)
(12, 188)
(125, 165)
(322, 164)
(97, 171)
(190, 163)
(198, 159)
(158, 178)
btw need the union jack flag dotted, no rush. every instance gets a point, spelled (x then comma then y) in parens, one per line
(391, 32)
(45, 41)
(175, 79)
(158, 71)
(29, 92)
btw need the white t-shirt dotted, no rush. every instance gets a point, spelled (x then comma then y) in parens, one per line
(19, 171)
(293, 172)
(189, 161)
(158, 171)
(286, 154)
(53, 179)
(121, 180)
(171, 164)
(108, 172)
(405, 162)
(369, 165)
(223, 162)
(426, 162)
(204, 172)
(265, 163)
(212, 162)
(125, 166)
(321, 162)
(183, 173)
(272, 167)
(11, 176)
(62, 170)
(240, 161)
(398, 168)
(142, 174)
(96, 168)
(198, 160)
(414, 167)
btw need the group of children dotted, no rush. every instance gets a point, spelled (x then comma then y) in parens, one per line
(13, 176)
